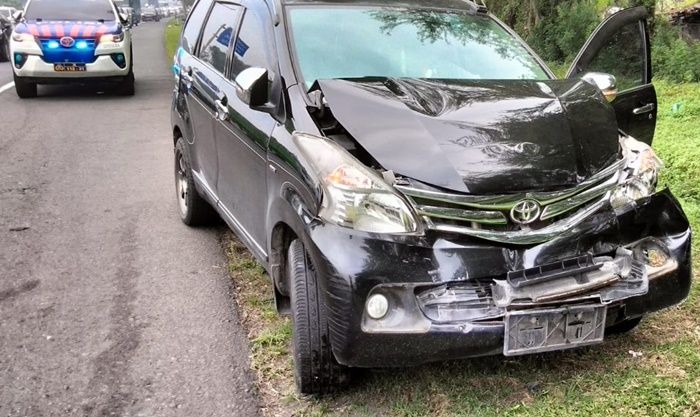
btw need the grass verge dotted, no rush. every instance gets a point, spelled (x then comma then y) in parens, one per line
(654, 371)
(172, 37)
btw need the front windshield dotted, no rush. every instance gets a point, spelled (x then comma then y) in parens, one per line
(351, 42)
(80, 10)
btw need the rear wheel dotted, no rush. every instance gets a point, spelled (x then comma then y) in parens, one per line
(315, 369)
(25, 89)
(194, 211)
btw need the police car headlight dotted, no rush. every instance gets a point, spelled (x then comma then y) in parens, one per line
(23, 37)
(640, 175)
(112, 38)
(354, 196)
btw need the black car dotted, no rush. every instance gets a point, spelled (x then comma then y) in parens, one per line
(5, 36)
(419, 185)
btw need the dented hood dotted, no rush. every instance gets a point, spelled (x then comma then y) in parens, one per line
(479, 137)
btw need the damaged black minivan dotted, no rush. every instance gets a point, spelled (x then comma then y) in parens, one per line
(419, 185)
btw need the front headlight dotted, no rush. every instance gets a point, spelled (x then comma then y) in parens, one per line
(23, 37)
(112, 38)
(354, 196)
(640, 176)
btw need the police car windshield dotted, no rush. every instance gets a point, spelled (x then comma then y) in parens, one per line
(78, 10)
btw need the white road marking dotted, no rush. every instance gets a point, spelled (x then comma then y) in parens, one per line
(6, 87)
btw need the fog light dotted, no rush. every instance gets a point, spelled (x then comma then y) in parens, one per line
(20, 59)
(119, 59)
(377, 306)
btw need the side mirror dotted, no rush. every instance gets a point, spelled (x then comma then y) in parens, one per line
(252, 86)
(17, 16)
(126, 20)
(606, 83)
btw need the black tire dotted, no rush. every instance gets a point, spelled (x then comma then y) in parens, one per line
(127, 86)
(623, 326)
(25, 89)
(193, 209)
(5, 50)
(316, 371)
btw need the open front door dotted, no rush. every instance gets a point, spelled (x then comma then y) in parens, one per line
(620, 46)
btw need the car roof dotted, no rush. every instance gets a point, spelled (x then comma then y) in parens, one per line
(433, 4)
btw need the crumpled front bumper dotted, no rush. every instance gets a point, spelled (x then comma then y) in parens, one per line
(449, 293)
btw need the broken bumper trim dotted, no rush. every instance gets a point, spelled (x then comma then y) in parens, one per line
(420, 273)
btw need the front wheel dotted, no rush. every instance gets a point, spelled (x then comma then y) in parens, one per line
(5, 50)
(316, 370)
(25, 89)
(127, 85)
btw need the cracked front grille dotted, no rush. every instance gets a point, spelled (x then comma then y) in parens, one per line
(526, 218)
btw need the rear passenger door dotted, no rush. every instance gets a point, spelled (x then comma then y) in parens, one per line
(243, 134)
(196, 89)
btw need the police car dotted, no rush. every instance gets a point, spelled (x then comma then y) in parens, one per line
(57, 41)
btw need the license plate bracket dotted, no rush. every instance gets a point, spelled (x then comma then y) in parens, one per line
(534, 331)
(69, 67)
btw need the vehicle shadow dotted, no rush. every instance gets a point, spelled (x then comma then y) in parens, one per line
(145, 87)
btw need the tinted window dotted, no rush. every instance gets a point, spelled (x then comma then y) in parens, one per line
(623, 56)
(252, 47)
(218, 33)
(194, 25)
(343, 42)
(90, 10)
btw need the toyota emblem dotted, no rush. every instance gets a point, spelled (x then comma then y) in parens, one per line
(67, 41)
(526, 212)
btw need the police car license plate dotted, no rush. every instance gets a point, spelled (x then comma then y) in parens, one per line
(533, 331)
(69, 67)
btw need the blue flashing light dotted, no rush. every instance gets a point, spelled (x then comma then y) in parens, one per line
(81, 45)
(53, 44)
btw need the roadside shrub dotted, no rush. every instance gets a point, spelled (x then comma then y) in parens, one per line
(674, 58)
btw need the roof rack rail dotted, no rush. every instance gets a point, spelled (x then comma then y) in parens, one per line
(479, 5)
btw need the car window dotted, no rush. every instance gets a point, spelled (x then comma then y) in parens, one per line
(623, 56)
(353, 42)
(254, 46)
(90, 10)
(194, 25)
(218, 33)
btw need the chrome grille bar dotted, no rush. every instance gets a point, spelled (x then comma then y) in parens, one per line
(507, 201)
(476, 216)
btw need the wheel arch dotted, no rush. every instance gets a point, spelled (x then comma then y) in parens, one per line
(281, 238)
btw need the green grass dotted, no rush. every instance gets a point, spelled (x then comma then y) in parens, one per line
(172, 37)
(605, 380)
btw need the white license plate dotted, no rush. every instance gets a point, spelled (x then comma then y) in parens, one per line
(69, 67)
(534, 331)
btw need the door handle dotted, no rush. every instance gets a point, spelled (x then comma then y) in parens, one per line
(221, 109)
(644, 109)
(186, 77)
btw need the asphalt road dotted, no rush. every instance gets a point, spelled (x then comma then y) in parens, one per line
(5, 73)
(109, 305)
